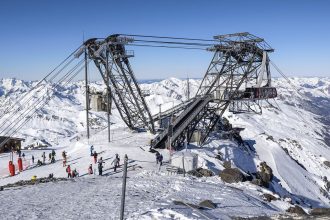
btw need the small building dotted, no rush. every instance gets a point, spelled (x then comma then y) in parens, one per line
(98, 102)
(185, 160)
(8, 144)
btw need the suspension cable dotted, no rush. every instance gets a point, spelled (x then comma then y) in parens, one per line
(163, 37)
(14, 113)
(45, 103)
(22, 115)
(39, 83)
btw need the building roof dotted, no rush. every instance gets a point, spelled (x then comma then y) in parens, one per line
(3, 138)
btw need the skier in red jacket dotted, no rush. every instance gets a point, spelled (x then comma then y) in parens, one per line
(68, 170)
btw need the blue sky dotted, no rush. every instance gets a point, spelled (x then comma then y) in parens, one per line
(36, 35)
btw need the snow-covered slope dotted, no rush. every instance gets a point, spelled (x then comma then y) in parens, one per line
(292, 136)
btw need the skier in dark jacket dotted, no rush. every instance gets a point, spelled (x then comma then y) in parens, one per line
(95, 157)
(157, 157)
(100, 166)
(32, 159)
(160, 159)
(91, 149)
(43, 157)
(118, 160)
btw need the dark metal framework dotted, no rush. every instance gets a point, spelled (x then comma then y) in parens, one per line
(238, 66)
(237, 78)
(111, 59)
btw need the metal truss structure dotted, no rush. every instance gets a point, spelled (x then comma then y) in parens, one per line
(239, 67)
(111, 59)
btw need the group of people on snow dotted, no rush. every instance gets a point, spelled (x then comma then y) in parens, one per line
(100, 162)
(71, 173)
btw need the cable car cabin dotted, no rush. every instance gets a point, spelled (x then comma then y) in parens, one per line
(10, 144)
(260, 93)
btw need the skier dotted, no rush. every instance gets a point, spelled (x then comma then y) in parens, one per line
(115, 162)
(75, 173)
(118, 160)
(32, 159)
(90, 169)
(39, 163)
(100, 166)
(157, 157)
(50, 156)
(43, 157)
(53, 153)
(95, 157)
(160, 159)
(64, 155)
(92, 148)
(64, 158)
(23, 155)
(68, 170)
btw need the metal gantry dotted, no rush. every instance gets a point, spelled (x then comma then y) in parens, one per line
(239, 67)
(111, 59)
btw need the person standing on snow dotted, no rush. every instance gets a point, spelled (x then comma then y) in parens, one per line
(95, 157)
(43, 157)
(91, 149)
(115, 162)
(118, 160)
(64, 158)
(64, 155)
(32, 159)
(50, 156)
(53, 153)
(160, 159)
(157, 157)
(100, 166)
(90, 169)
(75, 173)
(68, 170)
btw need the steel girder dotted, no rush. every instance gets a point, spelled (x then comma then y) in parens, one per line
(111, 59)
(231, 66)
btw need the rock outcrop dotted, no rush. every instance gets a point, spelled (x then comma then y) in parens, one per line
(232, 175)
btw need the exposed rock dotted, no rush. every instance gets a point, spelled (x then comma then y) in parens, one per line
(265, 174)
(200, 172)
(176, 202)
(227, 164)
(269, 197)
(297, 210)
(204, 204)
(327, 163)
(320, 211)
(326, 183)
(34, 181)
(208, 204)
(219, 156)
(257, 182)
(232, 175)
